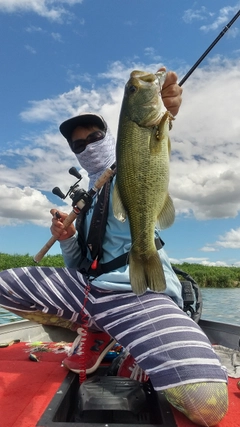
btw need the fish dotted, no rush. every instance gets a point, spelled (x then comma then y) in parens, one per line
(142, 179)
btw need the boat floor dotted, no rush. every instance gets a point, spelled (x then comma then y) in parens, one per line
(28, 387)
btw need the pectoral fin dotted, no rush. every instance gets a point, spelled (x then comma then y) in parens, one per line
(167, 215)
(118, 209)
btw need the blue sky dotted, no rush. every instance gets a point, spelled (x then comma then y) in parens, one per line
(59, 58)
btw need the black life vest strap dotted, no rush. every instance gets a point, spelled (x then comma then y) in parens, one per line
(95, 238)
(98, 223)
(114, 264)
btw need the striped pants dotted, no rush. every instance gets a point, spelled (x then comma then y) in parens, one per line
(169, 346)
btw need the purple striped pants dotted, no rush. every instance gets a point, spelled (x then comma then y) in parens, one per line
(169, 346)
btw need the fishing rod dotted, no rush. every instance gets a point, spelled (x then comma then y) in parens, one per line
(225, 29)
(82, 199)
(81, 202)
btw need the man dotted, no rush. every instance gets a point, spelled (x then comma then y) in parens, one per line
(167, 345)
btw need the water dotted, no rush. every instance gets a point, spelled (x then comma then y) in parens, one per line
(6, 316)
(221, 305)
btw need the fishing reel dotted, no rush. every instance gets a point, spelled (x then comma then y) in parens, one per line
(75, 193)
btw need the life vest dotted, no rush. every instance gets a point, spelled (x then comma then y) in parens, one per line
(93, 267)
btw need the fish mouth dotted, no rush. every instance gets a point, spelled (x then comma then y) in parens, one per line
(159, 77)
(143, 75)
(150, 106)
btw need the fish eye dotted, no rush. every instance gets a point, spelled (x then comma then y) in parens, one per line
(132, 88)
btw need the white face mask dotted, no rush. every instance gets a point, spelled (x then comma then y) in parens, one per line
(97, 157)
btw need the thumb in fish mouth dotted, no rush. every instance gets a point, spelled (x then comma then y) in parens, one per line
(163, 72)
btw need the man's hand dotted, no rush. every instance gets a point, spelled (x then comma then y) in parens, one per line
(57, 227)
(171, 92)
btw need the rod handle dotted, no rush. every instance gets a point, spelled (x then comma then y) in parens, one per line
(68, 221)
(107, 174)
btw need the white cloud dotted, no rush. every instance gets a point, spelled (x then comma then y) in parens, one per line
(205, 143)
(174, 261)
(193, 260)
(205, 174)
(30, 49)
(208, 249)
(234, 33)
(50, 9)
(106, 99)
(151, 53)
(21, 205)
(225, 14)
(33, 29)
(195, 14)
(201, 261)
(220, 21)
(57, 37)
(74, 77)
(231, 239)
(214, 264)
(237, 264)
(22, 197)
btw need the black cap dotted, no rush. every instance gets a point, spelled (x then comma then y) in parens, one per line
(83, 119)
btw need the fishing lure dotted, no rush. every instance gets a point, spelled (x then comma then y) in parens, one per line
(7, 344)
(33, 358)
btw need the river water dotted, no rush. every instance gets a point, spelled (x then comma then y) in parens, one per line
(221, 305)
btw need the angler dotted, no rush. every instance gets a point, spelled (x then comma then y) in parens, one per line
(151, 326)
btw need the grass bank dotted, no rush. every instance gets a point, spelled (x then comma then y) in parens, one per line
(205, 276)
(13, 261)
(212, 277)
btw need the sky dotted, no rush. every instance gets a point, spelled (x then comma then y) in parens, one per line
(62, 57)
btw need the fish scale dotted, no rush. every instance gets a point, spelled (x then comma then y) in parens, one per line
(141, 189)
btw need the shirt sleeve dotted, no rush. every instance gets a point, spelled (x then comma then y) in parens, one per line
(71, 251)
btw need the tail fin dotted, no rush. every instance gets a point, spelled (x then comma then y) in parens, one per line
(146, 273)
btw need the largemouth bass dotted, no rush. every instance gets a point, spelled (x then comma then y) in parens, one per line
(141, 189)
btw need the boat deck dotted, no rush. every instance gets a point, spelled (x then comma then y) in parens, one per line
(29, 390)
